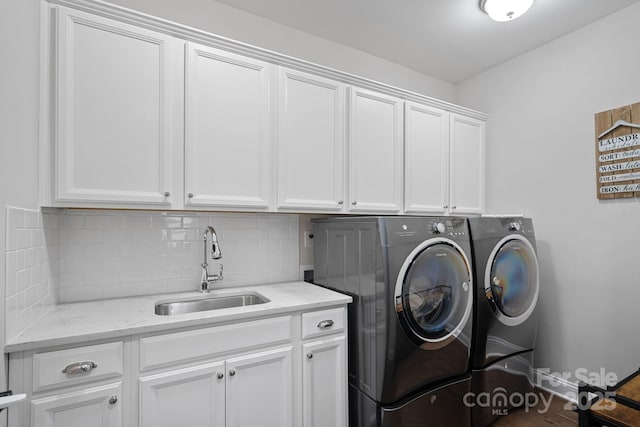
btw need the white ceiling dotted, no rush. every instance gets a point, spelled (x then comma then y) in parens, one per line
(451, 40)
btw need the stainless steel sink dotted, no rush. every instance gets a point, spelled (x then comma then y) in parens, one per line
(168, 308)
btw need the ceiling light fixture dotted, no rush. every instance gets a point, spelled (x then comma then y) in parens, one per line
(505, 10)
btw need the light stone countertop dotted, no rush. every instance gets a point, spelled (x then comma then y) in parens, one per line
(76, 323)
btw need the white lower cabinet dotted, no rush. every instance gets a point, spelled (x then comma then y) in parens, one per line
(250, 390)
(191, 397)
(90, 407)
(324, 391)
(280, 371)
(260, 389)
(82, 386)
(324, 368)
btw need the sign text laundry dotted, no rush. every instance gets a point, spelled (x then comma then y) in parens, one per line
(618, 142)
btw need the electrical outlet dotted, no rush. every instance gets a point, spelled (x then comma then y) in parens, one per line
(308, 239)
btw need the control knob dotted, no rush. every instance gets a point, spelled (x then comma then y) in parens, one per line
(514, 226)
(438, 228)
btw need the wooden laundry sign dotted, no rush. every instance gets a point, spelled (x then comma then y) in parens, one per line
(618, 152)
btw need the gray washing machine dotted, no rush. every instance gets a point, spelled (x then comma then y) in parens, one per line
(505, 312)
(410, 322)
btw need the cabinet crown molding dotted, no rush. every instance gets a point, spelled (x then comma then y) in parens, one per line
(187, 33)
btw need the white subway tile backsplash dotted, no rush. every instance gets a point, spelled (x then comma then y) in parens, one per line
(30, 249)
(155, 252)
(102, 222)
(31, 219)
(69, 255)
(74, 222)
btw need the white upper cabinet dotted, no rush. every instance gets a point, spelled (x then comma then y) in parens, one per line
(310, 142)
(444, 162)
(227, 129)
(139, 117)
(117, 90)
(467, 173)
(426, 164)
(375, 152)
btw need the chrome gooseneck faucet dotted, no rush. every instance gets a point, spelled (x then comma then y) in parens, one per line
(207, 279)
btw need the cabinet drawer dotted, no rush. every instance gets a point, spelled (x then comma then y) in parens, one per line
(76, 365)
(324, 322)
(162, 350)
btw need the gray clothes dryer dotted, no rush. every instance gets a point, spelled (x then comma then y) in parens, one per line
(505, 312)
(410, 323)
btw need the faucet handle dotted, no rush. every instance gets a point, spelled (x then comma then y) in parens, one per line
(220, 273)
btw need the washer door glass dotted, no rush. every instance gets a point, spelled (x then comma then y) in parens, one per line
(513, 280)
(436, 292)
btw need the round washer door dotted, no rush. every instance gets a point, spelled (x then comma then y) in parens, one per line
(511, 280)
(434, 291)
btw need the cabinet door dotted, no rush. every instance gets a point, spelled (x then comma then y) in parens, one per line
(191, 397)
(426, 152)
(324, 383)
(95, 407)
(227, 133)
(467, 174)
(310, 142)
(375, 152)
(118, 95)
(260, 389)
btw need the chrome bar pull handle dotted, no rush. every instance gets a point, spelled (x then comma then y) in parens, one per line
(79, 368)
(325, 324)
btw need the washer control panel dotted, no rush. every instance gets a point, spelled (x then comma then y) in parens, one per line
(522, 226)
(447, 227)
(438, 228)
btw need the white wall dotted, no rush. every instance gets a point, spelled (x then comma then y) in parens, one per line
(19, 86)
(226, 21)
(541, 161)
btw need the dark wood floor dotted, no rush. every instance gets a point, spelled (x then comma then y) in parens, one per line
(558, 414)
